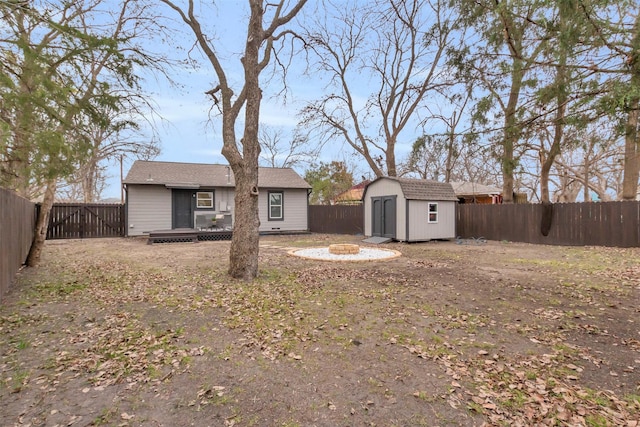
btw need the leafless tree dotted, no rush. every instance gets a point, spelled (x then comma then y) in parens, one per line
(395, 47)
(107, 146)
(265, 25)
(283, 150)
(591, 162)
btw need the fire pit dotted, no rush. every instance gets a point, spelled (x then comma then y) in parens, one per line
(344, 249)
(346, 252)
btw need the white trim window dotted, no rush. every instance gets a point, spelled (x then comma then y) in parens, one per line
(276, 206)
(433, 213)
(204, 199)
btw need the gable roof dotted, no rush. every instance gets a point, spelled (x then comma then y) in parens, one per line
(195, 175)
(353, 194)
(464, 188)
(423, 189)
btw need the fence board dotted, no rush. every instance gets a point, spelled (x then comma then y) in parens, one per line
(86, 220)
(573, 224)
(337, 219)
(17, 225)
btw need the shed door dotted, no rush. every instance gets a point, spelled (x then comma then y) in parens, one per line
(183, 206)
(383, 216)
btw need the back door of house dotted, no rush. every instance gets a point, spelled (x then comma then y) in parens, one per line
(383, 216)
(183, 203)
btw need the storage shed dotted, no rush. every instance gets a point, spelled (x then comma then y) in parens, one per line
(409, 210)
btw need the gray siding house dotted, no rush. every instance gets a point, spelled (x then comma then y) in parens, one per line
(409, 210)
(168, 195)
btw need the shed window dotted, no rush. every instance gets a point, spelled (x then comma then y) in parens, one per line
(276, 206)
(204, 199)
(433, 213)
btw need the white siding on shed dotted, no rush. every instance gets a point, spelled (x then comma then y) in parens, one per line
(148, 209)
(295, 211)
(419, 227)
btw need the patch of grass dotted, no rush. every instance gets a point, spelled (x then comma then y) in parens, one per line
(475, 407)
(483, 345)
(565, 350)
(19, 343)
(59, 288)
(18, 380)
(425, 396)
(597, 398)
(596, 420)
(515, 401)
(427, 310)
(633, 399)
(553, 263)
(105, 417)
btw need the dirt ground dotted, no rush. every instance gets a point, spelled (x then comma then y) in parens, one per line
(117, 332)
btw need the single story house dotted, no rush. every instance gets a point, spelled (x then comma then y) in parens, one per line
(409, 210)
(472, 192)
(169, 195)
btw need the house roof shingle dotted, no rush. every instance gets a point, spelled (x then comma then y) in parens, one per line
(206, 175)
(424, 189)
(464, 188)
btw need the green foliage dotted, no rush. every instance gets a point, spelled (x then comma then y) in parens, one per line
(327, 181)
(57, 80)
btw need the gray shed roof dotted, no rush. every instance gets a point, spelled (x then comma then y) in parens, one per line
(195, 175)
(424, 189)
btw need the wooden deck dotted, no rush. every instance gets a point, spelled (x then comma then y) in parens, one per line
(188, 235)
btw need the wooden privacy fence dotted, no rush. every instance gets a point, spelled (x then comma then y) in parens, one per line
(572, 224)
(86, 220)
(17, 225)
(337, 219)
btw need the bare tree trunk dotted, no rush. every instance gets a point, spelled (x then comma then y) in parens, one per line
(631, 154)
(511, 132)
(243, 257)
(452, 136)
(42, 224)
(632, 136)
(558, 133)
(89, 179)
(245, 243)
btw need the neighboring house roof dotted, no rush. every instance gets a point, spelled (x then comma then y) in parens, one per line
(463, 188)
(353, 194)
(423, 189)
(196, 175)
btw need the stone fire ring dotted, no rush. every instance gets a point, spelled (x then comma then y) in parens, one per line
(346, 252)
(344, 249)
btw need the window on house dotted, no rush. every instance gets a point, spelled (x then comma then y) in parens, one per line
(276, 206)
(204, 199)
(433, 213)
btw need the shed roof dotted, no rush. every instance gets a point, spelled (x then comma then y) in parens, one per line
(195, 175)
(424, 189)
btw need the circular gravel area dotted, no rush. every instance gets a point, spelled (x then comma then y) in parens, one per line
(365, 254)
